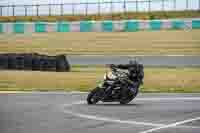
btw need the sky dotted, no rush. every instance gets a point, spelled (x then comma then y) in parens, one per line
(80, 9)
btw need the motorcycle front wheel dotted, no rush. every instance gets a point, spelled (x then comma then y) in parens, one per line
(93, 96)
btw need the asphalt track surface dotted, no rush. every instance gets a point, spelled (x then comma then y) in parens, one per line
(172, 60)
(68, 113)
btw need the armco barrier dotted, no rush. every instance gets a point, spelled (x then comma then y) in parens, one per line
(100, 26)
(155, 25)
(18, 27)
(86, 26)
(40, 27)
(1, 28)
(178, 24)
(131, 26)
(63, 27)
(196, 24)
(107, 26)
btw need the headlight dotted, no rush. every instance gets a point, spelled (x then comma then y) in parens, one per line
(100, 85)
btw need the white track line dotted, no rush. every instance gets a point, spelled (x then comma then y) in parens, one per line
(140, 55)
(107, 119)
(77, 92)
(171, 125)
(100, 118)
(158, 126)
(169, 99)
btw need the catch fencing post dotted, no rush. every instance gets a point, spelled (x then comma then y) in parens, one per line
(86, 8)
(199, 5)
(73, 13)
(61, 9)
(163, 5)
(37, 10)
(124, 6)
(1, 14)
(136, 2)
(99, 7)
(111, 9)
(25, 8)
(49, 5)
(13, 10)
(187, 4)
(174, 4)
(149, 5)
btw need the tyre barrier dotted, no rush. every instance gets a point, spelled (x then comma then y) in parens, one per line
(3, 62)
(34, 62)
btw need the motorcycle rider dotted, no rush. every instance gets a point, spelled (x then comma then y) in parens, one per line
(136, 75)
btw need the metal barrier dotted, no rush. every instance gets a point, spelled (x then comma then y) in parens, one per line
(99, 26)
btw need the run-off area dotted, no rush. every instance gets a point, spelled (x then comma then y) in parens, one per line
(68, 112)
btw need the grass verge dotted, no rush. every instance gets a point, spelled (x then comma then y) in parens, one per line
(171, 42)
(85, 78)
(114, 16)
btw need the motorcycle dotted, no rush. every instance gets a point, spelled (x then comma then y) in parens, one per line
(112, 87)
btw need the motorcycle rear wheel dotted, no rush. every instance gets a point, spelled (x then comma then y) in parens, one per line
(130, 97)
(92, 97)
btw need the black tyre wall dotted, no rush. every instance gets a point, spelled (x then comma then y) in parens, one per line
(35, 62)
(3, 61)
(20, 62)
(28, 61)
(62, 64)
(12, 62)
(48, 63)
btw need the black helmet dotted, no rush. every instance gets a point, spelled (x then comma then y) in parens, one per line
(133, 62)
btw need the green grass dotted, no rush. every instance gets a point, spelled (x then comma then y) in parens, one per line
(115, 16)
(170, 42)
(84, 78)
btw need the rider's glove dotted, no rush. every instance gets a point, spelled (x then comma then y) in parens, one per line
(112, 65)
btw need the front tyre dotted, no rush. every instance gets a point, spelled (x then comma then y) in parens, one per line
(93, 96)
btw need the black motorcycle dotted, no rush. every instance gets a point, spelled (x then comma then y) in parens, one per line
(112, 87)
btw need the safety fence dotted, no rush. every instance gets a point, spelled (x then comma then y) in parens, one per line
(98, 7)
(99, 26)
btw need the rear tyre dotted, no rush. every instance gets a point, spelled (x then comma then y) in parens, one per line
(93, 96)
(130, 97)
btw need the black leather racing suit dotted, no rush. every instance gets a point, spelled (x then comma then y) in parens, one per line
(136, 75)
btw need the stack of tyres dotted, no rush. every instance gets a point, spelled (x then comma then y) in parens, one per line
(48, 63)
(62, 64)
(35, 62)
(27, 61)
(12, 61)
(19, 62)
(3, 61)
(43, 63)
